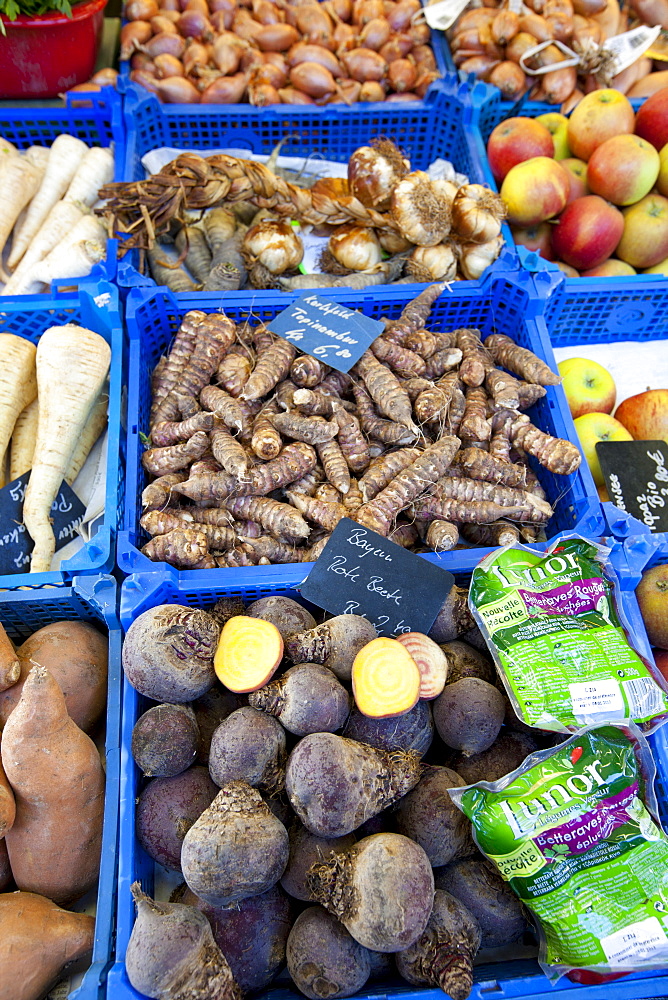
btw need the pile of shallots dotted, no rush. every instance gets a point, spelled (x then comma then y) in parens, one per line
(264, 52)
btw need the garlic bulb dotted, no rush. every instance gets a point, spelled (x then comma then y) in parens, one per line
(422, 216)
(355, 247)
(477, 214)
(393, 242)
(374, 171)
(447, 190)
(275, 245)
(474, 258)
(437, 263)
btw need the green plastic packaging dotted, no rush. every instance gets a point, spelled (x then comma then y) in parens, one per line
(574, 831)
(552, 624)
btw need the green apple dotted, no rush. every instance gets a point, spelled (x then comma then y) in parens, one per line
(557, 126)
(595, 427)
(589, 387)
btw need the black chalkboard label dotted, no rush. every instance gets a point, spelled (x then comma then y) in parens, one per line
(361, 573)
(636, 477)
(16, 544)
(327, 330)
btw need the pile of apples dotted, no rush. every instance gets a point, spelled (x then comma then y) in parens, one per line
(589, 191)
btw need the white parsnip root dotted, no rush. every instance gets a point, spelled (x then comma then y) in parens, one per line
(72, 364)
(18, 384)
(23, 440)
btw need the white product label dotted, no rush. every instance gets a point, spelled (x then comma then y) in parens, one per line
(644, 697)
(592, 698)
(635, 942)
(443, 14)
(628, 47)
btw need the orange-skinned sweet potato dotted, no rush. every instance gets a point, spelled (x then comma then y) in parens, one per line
(38, 941)
(58, 782)
(76, 655)
(7, 804)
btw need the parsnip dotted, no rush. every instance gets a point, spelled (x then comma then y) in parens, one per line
(18, 384)
(7, 149)
(64, 157)
(60, 221)
(95, 424)
(39, 157)
(63, 259)
(72, 364)
(20, 181)
(94, 171)
(23, 441)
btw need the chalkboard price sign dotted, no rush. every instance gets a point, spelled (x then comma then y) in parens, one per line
(636, 477)
(327, 330)
(67, 512)
(361, 573)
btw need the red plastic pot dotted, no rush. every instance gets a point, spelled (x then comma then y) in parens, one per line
(45, 56)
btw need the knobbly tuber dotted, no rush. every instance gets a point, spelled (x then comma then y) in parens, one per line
(414, 730)
(325, 962)
(429, 816)
(478, 885)
(248, 653)
(264, 921)
(248, 746)
(335, 643)
(167, 808)
(506, 753)
(165, 740)
(443, 954)
(469, 714)
(306, 850)
(335, 784)
(381, 889)
(172, 953)
(288, 616)
(386, 679)
(307, 698)
(168, 653)
(466, 661)
(236, 848)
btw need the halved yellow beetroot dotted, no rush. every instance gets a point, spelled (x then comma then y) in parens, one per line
(386, 679)
(431, 661)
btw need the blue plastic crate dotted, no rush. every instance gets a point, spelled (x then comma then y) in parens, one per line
(516, 979)
(505, 303)
(96, 118)
(95, 306)
(90, 599)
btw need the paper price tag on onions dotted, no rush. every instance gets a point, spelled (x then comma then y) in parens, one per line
(327, 330)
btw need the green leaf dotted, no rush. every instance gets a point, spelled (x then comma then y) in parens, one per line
(11, 9)
(145, 439)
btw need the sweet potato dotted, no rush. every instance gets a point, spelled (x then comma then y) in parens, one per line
(506, 753)
(307, 698)
(10, 667)
(468, 715)
(306, 850)
(235, 849)
(5, 868)
(443, 955)
(478, 885)
(7, 803)
(58, 783)
(165, 740)
(248, 746)
(335, 643)
(335, 784)
(38, 941)
(429, 816)
(465, 661)
(167, 808)
(414, 730)
(168, 653)
(288, 616)
(210, 710)
(76, 655)
(381, 889)
(172, 953)
(264, 920)
(325, 962)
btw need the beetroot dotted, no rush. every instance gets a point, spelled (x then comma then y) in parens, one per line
(469, 714)
(305, 851)
(506, 753)
(325, 962)
(248, 746)
(335, 643)
(477, 884)
(288, 616)
(167, 808)
(414, 730)
(165, 740)
(210, 710)
(306, 699)
(429, 816)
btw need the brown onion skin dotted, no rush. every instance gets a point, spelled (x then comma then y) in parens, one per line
(315, 25)
(375, 33)
(401, 98)
(419, 33)
(424, 57)
(312, 79)
(226, 57)
(166, 66)
(226, 90)
(269, 75)
(343, 38)
(245, 26)
(200, 5)
(142, 61)
(520, 44)
(367, 10)
(252, 59)
(227, 5)
(400, 16)
(476, 18)
(221, 20)
(106, 77)
(178, 90)
(161, 23)
(397, 47)
(266, 12)
(133, 34)
(146, 80)
(424, 82)
(480, 66)
(365, 64)
(559, 84)
(505, 26)
(290, 95)
(371, 92)
(276, 37)
(195, 55)
(140, 10)
(401, 75)
(303, 52)
(195, 24)
(342, 8)
(169, 5)
(350, 90)
(509, 78)
(262, 94)
(173, 45)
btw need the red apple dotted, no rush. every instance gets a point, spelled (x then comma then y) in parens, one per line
(587, 232)
(623, 169)
(598, 117)
(652, 594)
(644, 241)
(589, 387)
(652, 119)
(577, 176)
(610, 268)
(534, 191)
(514, 141)
(645, 415)
(661, 660)
(535, 238)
